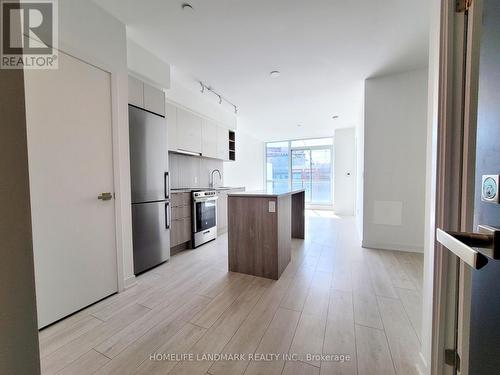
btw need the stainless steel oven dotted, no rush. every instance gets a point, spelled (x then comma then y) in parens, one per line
(204, 217)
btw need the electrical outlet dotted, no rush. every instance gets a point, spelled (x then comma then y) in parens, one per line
(272, 206)
(195, 179)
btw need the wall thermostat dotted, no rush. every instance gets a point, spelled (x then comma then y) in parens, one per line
(489, 188)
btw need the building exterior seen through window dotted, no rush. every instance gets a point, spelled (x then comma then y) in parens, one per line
(302, 164)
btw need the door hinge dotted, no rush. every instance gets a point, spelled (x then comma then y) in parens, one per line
(462, 6)
(452, 358)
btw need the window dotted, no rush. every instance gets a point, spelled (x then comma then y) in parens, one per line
(302, 164)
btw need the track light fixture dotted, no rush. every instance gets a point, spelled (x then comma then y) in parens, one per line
(221, 98)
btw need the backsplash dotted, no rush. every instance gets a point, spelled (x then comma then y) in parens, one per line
(192, 171)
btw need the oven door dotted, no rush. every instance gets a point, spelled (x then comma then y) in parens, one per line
(205, 214)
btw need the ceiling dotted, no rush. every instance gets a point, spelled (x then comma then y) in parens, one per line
(324, 50)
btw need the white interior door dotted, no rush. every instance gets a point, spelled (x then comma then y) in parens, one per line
(70, 163)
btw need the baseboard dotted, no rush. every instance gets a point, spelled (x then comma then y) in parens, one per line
(129, 282)
(393, 247)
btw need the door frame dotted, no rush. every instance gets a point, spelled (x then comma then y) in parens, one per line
(454, 165)
(122, 223)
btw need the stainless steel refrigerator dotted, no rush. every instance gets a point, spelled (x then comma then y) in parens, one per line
(150, 188)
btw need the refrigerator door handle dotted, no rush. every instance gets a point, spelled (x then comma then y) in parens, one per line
(167, 215)
(166, 181)
(464, 245)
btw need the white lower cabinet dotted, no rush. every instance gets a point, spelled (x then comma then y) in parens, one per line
(221, 212)
(222, 220)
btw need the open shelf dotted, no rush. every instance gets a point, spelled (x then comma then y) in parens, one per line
(232, 145)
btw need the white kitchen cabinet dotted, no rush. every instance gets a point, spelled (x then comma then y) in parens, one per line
(222, 143)
(221, 212)
(135, 92)
(222, 209)
(171, 126)
(154, 99)
(146, 96)
(189, 131)
(209, 139)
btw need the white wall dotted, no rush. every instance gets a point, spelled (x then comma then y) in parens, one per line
(248, 169)
(344, 191)
(147, 66)
(394, 161)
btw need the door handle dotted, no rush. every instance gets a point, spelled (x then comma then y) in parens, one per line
(166, 182)
(167, 216)
(473, 248)
(105, 196)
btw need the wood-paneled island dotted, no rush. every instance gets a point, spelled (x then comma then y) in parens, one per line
(261, 225)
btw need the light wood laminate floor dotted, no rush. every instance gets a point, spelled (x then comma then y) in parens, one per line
(333, 298)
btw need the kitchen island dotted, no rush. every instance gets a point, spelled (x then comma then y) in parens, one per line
(261, 225)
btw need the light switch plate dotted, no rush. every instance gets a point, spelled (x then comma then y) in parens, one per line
(489, 188)
(272, 206)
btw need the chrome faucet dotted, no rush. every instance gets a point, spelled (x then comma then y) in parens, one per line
(212, 177)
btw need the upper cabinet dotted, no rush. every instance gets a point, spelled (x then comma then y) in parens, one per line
(146, 96)
(209, 139)
(189, 131)
(222, 143)
(172, 126)
(135, 92)
(154, 99)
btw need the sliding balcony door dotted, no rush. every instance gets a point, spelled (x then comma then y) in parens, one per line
(302, 164)
(301, 171)
(312, 171)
